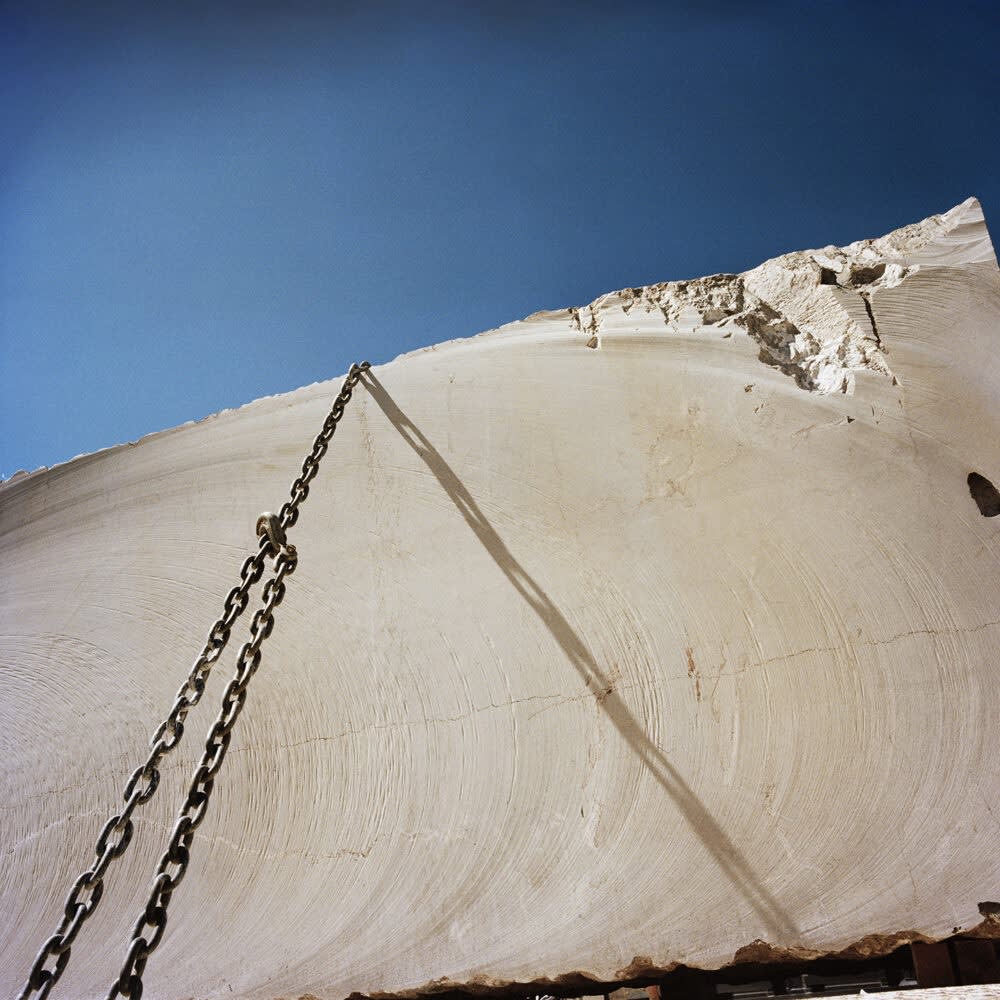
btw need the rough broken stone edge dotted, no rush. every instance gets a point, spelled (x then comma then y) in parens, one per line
(889, 247)
(643, 970)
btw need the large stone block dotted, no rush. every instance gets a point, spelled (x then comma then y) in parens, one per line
(658, 631)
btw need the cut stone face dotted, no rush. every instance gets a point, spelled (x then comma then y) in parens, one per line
(662, 630)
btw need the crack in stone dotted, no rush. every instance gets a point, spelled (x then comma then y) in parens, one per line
(791, 306)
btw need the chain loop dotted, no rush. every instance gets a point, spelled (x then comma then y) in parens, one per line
(42, 980)
(116, 835)
(177, 855)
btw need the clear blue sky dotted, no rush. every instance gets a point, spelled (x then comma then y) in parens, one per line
(197, 209)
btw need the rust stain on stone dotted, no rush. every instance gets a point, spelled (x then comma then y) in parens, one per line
(693, 672)
(640, 967)
(870, 946)
(762, 953)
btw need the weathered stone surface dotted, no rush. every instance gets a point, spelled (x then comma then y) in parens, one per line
(624, 636)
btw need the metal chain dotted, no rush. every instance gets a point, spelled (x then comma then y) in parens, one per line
(116, 835)
(310, 466)
(149, 928)
(174, 861)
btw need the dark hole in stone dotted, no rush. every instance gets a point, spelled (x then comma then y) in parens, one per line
(989, 908)
(985, 494)
(827, 276)
(862, 275)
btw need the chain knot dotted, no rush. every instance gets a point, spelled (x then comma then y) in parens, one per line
(269, 525)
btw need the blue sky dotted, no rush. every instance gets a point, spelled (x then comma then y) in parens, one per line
(198, 209)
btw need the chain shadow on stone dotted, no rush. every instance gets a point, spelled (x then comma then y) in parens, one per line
(716, 841)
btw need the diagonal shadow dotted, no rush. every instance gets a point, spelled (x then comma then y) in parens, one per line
(718, 844)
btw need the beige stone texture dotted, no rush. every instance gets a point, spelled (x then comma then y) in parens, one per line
(621, 637)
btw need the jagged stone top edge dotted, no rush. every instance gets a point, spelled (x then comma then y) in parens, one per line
(905, 243)
(907, 247)
(910, 244)
(811, 313)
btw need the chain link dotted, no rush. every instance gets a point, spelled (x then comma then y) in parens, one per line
(141, 786)
(116, 835)
(149, 928)
(310, 466)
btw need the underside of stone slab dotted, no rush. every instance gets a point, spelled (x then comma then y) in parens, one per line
(622, 637)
